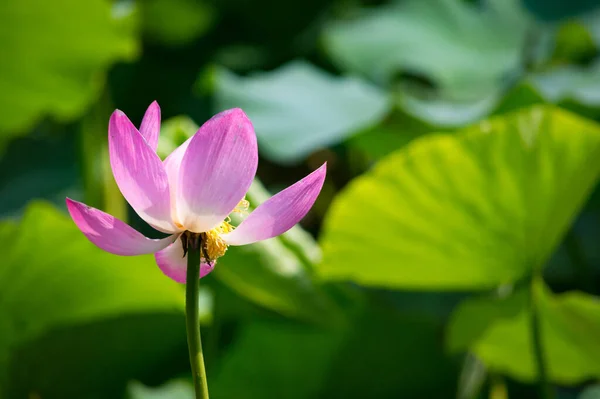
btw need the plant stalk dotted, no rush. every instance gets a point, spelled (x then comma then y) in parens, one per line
(545, 390)
(193, 321)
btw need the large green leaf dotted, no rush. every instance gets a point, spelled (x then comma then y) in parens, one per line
(475, 209)
(55, 53)
(443, 40)
(499, 332)
(298, 108)
(52, 276)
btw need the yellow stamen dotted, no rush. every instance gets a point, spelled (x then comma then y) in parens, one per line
(215, 246)
(242, 207)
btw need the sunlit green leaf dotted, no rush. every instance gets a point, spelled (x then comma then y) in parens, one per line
(298, 108)
(52, 276)
(56, 54)
(499, 332)
(475, 209)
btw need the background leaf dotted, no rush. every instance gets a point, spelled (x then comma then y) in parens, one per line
(498, 331)
(57, 57)
(523, 176)
(580, 85)
(80, 360)
(323, 111)
(67, 281)
(419, 37)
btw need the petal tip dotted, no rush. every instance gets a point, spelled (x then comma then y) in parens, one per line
(233, 114)
(117, 113)
(154, 108)
(319, 174)
(117, 120)
(72, 205)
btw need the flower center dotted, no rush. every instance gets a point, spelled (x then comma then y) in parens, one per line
(212, 245)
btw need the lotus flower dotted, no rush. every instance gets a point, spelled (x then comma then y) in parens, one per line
(193, 191)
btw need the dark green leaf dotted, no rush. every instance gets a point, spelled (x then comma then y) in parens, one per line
(53, 277)
(175, 22)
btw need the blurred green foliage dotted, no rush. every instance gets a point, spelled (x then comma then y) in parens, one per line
(55, 56)
(461, 201)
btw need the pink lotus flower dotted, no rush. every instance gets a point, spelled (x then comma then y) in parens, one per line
(194, 190)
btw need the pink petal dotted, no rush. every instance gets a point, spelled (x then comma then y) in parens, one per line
(279, 213)
(150, 127)
(217, 170)
(172, 165)
(174, 265)
(111, 234)
(139, 173)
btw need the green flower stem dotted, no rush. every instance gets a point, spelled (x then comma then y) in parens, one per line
(545, 390)
(193, 322)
